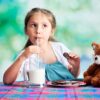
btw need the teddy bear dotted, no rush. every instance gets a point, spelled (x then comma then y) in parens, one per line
(92, 74)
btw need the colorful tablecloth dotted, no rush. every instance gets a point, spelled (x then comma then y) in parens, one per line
(20, 92)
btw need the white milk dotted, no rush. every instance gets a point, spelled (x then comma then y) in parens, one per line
(37, 76)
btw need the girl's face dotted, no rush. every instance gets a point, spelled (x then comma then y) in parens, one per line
(39, 28)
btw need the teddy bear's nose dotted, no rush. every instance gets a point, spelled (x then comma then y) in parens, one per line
(96, 58)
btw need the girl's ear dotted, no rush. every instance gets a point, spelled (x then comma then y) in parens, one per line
(25, 31)
(53, 30)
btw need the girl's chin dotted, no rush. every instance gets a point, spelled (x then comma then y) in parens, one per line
(37, 42)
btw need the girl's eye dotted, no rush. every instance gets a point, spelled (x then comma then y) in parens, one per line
(33, 25)
(44, 25)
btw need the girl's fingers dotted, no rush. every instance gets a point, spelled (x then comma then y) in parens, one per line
(31, 50)
(34, 49)
(73, 55)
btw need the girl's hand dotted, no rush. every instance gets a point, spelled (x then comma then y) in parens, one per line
(74, 61)
(31, 50)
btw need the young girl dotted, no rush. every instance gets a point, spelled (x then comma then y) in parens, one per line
(60, 63)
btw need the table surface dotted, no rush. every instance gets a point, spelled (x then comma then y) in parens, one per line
(18, 91)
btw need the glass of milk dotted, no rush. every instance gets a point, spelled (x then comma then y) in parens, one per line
(36, 72)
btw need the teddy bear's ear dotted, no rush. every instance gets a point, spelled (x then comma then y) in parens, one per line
(94, 45)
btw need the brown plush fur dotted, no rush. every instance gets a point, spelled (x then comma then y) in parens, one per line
(92, 74)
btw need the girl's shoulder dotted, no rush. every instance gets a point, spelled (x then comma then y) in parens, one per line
(60, 45)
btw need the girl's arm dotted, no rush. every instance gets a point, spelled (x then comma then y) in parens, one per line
(11, 73)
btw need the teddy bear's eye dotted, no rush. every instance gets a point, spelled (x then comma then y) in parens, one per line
(96, 58)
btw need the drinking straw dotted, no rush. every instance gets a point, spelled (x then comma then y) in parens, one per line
(37, 60)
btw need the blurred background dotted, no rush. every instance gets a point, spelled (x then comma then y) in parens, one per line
(78, 25)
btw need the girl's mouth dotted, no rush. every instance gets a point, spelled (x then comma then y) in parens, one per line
(37, 38)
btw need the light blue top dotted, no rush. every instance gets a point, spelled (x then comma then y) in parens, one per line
(57, 71)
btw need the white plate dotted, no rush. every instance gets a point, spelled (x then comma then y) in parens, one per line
(66, 84)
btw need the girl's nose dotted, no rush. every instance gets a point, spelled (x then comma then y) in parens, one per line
(39, 29)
